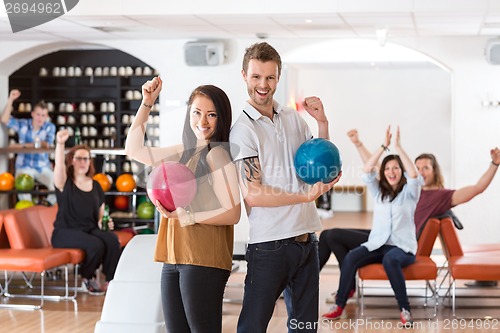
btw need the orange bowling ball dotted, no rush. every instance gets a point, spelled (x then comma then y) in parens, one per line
(7, 181)
(125, 183)
(104, 180)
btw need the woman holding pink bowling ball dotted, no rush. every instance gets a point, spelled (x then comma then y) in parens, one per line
(172, 184)
(195, 242)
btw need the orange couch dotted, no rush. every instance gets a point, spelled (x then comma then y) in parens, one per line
(31, 228)
(484, 266)
(29, 260)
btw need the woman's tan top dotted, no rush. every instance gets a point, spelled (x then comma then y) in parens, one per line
(198, 244)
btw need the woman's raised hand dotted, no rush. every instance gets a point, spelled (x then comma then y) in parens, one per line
(388, 137)
(150, 90)
(398, 138)
(495, 155)
(62, 136)
(354, 137)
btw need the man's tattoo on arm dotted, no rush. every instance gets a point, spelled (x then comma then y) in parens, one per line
(250, 169)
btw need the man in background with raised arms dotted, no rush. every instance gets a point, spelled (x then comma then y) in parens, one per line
(35, 132)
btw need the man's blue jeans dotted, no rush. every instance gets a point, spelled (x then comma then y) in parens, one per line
(274, 267)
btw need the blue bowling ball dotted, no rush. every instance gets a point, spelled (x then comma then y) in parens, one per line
(317, 160)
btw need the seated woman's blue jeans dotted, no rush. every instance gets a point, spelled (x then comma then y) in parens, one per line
(394, 260)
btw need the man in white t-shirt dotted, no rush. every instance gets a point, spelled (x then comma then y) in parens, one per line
(282, 253)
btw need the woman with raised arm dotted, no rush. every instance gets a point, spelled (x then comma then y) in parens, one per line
(195, 243)
(80, 202)
(393, 241)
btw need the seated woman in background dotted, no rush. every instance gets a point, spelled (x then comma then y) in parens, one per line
(81, 206)
(435, 200)
(393, 241)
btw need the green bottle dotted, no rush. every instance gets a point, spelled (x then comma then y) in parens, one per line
(78, 136)
(105, 219)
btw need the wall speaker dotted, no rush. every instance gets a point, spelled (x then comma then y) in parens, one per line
(204, 53)
(492, 51)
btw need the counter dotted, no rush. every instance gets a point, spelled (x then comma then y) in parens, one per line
(94, 151)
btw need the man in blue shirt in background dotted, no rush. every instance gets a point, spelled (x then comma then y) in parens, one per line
(36, 132)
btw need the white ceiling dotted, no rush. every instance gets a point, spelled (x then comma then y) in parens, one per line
(167, 19)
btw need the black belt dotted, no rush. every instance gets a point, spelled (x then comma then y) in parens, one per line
(304, 238)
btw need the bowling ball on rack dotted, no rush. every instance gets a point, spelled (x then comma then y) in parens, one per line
(21, 204)
(7, 181)
(146, 210)
(125, 183)
(121, 202)
(173, 184)
(104, 180)
(142, 198)
(24, 182)
(317, 160)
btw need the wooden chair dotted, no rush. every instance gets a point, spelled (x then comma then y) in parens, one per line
(424, 268)
(484, 266)
(29, 260)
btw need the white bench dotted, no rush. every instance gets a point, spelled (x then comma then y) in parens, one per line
(133, 299)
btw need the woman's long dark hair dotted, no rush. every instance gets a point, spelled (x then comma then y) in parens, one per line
(220, 136)
(69, 162)
(385, 187)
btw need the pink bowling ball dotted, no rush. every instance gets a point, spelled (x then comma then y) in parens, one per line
(173, 184)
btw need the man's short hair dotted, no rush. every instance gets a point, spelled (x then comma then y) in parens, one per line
(261, 52)
(42, 105)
